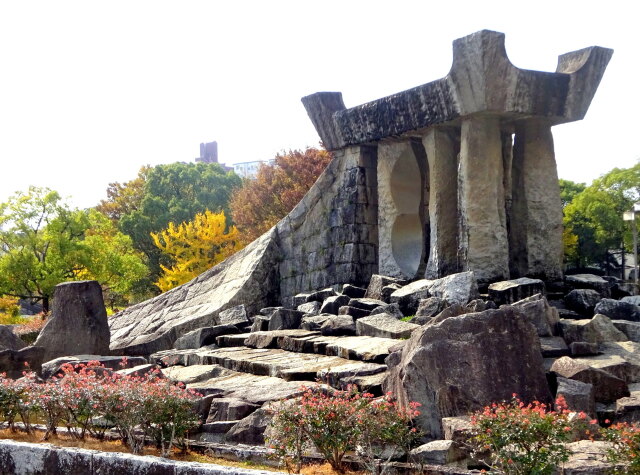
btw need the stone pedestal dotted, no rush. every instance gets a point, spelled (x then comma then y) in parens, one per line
(535, 238)
(483, 242)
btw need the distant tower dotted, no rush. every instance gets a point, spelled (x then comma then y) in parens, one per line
(208, 152)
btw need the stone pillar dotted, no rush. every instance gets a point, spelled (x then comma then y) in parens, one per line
(536, 214)
(442, 146)
(483, 243)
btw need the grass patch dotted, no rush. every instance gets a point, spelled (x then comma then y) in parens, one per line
(407, 319)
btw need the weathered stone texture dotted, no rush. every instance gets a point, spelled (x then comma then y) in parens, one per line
(78, 323)
(246, 278)
(467, 362)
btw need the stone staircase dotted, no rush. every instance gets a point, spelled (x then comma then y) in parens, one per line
(244, 373)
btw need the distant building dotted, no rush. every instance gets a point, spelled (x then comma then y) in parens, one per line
(249, 169)
(209, 154)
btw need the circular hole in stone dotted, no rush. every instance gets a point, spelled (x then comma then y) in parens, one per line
(406, 243)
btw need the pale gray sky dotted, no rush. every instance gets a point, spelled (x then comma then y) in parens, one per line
(90, 91)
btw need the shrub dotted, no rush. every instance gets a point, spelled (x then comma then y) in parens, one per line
(625, 453)
(524, 438)
(339, 422)
(82, 395)
(9, 310)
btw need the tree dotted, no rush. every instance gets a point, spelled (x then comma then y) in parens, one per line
(569, 190)
(44, 242)
(124, 198)
(194, 247)
(593, 219)
(277, 188)
(175, 193)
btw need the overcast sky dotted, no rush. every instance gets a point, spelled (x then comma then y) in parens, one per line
(90, 91)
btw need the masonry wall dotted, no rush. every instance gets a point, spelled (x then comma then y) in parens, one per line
(331, 236)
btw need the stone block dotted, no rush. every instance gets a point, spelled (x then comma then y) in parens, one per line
(457, 288)
(391, 309)
(321, 295)
(203, 336)
(9, 340)
(229, 409)
(409, 296)
(618, 310)
(510, 291)
(553, 347)
(332, 304)
(384, 326)
(539, 313)
(233, 316)
(599, 329)
(283, 319)
(607, 388)
(355, 312)
(365, 303)
(630, 329)
(377, 282)
(582, 301)
(310, 308)
(338, 326)
(579, 396)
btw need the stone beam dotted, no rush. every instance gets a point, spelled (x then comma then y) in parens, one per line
(482, 79)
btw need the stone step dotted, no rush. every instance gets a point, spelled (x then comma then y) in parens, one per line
(362, 348)
(286, 365)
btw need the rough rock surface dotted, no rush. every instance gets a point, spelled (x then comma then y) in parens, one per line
(14, 362)
(538, 311)
(607, 388)
(580, 397)
(618, 310)
(247, 277)
(391, 309)
(314, 322)
(588, 281)
(203, 336)
(599, 329)
(553, 347)
(437, 452)
(310, 308)
(467, 362)
(9, 340)
(78, 322)
(338, 326)
(333, 303)
(457, 288)
(376, 284)
(510, 291)
(384, 326)
(583, 301)
(284, 319)
(619, 358)
(631, 329)
(409, 296)
(430, 307)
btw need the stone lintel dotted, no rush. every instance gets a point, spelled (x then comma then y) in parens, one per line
(482, 79)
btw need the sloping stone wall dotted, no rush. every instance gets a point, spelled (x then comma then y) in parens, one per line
(331, 236)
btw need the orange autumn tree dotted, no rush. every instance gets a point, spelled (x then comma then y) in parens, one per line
(263, 201)
(194, 246)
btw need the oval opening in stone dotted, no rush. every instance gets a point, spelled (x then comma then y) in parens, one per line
(406, 184)
(406, 243)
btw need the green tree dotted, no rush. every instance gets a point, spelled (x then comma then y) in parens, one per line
(124, 198)
(569, 189)
(44, 242)
(175, 193)
(593, 218)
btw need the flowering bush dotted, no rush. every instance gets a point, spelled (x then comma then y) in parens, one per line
(84, 396)
(525, 438)
(340, 422)
(625, 454)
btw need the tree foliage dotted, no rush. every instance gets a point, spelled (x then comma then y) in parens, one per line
(44, 242)
(175, 193)
(194, 247)
(593, 219)
(277, 188)
(124, 198)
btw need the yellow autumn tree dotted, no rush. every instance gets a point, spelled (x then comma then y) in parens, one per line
(194, 246)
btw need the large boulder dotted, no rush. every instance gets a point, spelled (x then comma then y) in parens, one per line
(377, 283)
(510, 291)
(78, 323)
(9, 340)
(409, 296)
(467, 362)
(618, 310)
